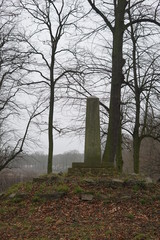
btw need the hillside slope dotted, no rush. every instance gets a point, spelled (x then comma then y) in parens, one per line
(81, 208)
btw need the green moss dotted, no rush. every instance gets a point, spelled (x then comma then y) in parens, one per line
(15, 188)
(130, 216)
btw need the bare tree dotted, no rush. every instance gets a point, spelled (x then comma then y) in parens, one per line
(13, 58)
(114, 15)
(52, 21)
(7, 155)
(142, 79)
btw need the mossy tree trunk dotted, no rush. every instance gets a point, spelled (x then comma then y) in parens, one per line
(119, 158)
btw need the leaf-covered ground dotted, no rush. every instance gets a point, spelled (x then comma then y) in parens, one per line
(54, 208)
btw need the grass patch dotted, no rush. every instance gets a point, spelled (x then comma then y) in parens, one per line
(141, 185)
(36, 199)
(42, 188)
(141, 236)
(62, 188)
(28, 186)
(130, 216)
(26, 225)
(48, 220)
(3, 210)
(108, 233)
(15, 188)
(17, 199)
(32, 210)
(156, 197)
(3, 225)
(146, 200)
(78, 190)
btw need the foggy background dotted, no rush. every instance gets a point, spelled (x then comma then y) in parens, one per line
(91, 54)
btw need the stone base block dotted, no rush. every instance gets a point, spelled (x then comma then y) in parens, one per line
(98, 171)
(85, 165)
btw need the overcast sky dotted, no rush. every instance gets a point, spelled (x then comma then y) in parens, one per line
(62, 143)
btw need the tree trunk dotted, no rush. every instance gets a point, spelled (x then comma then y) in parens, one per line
(50, 131)
(136, 137)
(117, 77)
(51, 111)
(119, 159)
(136, 153)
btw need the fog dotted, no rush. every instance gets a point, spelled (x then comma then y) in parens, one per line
(28, 166)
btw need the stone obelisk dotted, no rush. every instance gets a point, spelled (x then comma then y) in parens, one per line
(92, 153)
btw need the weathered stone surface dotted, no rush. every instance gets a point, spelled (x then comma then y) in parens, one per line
(103, 196)
(12, 195)
(59, 222)
(46, 178)
(86, 197)
(118, 181)
(126, 197)
(78, 165)
(18, 195)
(85, 170)
(22, 195)
(148, 180)
(39, 179)
(90, 181)
(92, 153)
(52, 196)
(2, 195)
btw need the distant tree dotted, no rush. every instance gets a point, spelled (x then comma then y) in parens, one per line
(143, 81)
(63, 161)
(150, 158)
(8, 152)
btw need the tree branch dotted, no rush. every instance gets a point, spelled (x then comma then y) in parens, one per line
(92, 4)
